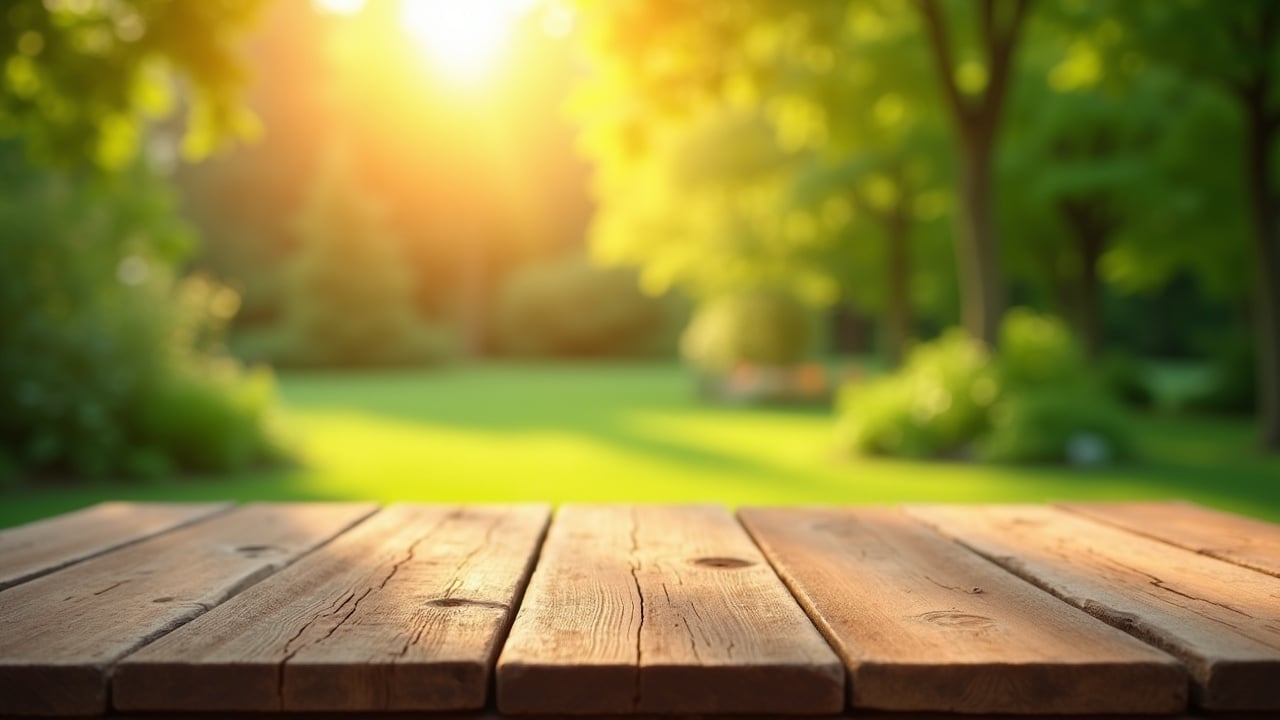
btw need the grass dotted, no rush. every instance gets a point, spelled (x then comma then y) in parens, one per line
(634, 432)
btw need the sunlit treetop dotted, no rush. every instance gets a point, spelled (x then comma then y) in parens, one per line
(82, 78)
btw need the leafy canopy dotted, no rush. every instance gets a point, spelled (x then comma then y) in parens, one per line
(81, 78)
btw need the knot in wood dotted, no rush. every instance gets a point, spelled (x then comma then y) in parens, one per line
(725, 563)
(953, 618)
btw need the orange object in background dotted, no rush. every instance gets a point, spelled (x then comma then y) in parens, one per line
(810, 380)
(744, 377)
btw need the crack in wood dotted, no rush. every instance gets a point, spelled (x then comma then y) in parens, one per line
(109, 588)
(634, 560)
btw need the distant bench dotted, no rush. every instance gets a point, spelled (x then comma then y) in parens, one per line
(156, 610)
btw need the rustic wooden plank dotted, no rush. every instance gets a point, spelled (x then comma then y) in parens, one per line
(404, 612)
(923, 624)
(61, 633)
(1222, 620)
(490, 714)
(32, 550)
(1244, 541)
(661, 609)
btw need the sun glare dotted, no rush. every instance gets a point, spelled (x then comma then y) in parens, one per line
(340, 7)
(466, 39)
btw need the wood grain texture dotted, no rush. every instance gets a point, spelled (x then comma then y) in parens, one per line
(489, 714)
(404, 612)
(29, 551)
(1222, 620)
(61, 633)
(660, 609)
(1244, 541)
(924, 624)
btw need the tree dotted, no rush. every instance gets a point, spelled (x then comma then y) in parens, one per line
(975, 93)
(816, 71)
(1233, 48)
(82, 78)
(111, 366)
(885, 153)
(350, 297)
(1081, 170)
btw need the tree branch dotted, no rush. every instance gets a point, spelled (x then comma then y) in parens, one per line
(943, 62)
(1000, 61)
(988, 25)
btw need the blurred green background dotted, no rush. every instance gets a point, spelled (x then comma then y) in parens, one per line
(739, 251)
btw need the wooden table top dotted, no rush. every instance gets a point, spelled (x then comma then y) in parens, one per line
(181, 610)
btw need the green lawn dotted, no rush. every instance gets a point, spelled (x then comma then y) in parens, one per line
(607, 432)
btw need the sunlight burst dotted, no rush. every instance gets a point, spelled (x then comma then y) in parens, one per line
(464, 39)
(339, 7)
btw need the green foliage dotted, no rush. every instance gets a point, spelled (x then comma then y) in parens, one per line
(759, 327)
(1125, 379)
(935, 405)
(1233, 389)
(79, 79)
(751, 156)
(1037, 351)
(571, 308)
(1058, 424)
(208, 420)
(96, 329)
(349, 298)
(1033, 402)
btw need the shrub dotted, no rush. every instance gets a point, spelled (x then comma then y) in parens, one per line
(1037, 350)
(95, 325)
(1233, 388)
(570, 308)
(936, 404)
(760, 327)
(207, 421)
(1125, 380)
(1066, 424)
(1034, 401)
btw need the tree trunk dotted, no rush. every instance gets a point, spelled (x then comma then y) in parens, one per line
(1089, 230)
(976, 122)
(1259, 148)
(981, 282)
(899, 319)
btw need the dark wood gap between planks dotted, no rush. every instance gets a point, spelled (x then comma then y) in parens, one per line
(690, 669)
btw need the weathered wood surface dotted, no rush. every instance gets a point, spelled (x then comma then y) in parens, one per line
(1244, 541)
(1222, 620)
(404, 612)
(661, 609)
(492, 714)
(924, 624)
(33, 550)
(61, 633)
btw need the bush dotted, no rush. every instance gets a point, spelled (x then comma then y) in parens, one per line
(936, 404)
(1125, 380)
(760, 327)
(205, 421)
(95, 327)
(1058, 425)
(570, 308)
(1233, 389)
(1037, 350)
(1035, 401)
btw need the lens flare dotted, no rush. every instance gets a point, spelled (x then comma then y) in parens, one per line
(465, 40)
